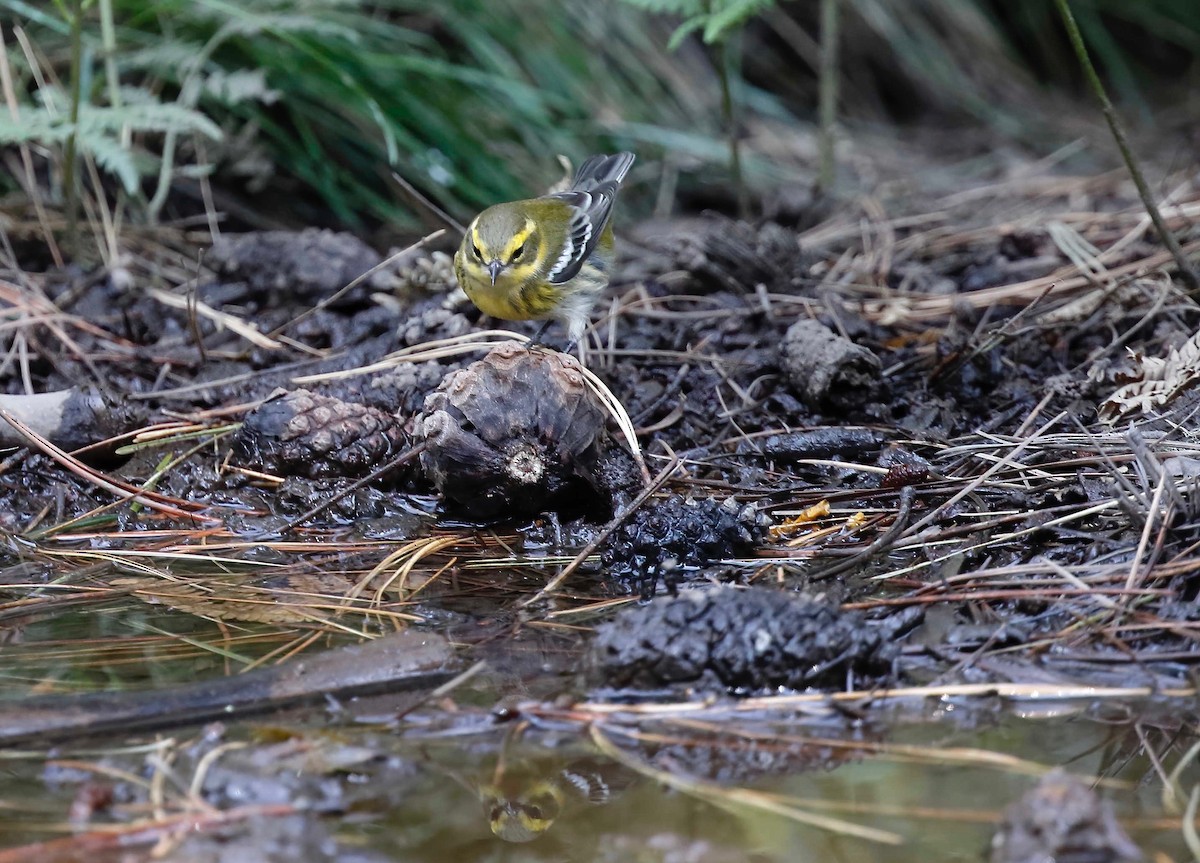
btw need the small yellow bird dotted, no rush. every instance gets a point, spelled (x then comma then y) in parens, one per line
(548, 258)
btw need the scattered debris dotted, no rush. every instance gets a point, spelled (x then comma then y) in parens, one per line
(1158, 381)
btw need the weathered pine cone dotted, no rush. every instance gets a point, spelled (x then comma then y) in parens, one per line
(427, 274)
(724, 254)
(745, 641)
(515, 433)
(305, 434)
(665, 539)
(1062, 819)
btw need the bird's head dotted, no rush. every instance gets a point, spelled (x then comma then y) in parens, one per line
(502, 245)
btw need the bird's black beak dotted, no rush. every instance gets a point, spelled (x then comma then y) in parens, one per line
(494, 268)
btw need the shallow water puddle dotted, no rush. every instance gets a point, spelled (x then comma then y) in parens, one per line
(464, 788)
(447, 777)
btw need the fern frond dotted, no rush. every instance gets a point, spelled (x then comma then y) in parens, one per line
(111, 157)
(687, 28)
(671, 7)
(165, 56)
(257, 23)
(240, 85)
(728, 14)
(148, 117)
(33, 126)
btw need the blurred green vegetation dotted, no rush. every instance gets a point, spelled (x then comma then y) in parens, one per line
(312, 103)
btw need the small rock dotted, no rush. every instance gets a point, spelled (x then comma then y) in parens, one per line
(1061, 820)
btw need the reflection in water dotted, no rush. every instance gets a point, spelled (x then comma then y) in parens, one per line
(941, 788)
(521, 804)
(548, 797)
(532, 803)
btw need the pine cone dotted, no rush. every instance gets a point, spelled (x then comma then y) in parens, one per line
(514, 434)
(664, 538)
(305, 434)
(744, 640)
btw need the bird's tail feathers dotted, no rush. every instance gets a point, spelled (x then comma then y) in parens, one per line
(602, 169)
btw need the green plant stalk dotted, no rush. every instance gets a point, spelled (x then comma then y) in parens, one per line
(828, 92)
(108, 37)
(1186, 273)
(725, 63)
(69, 154)
(189, 94)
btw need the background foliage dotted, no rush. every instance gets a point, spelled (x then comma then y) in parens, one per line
(304, 107)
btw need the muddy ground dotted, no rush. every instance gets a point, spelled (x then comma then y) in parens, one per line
(907, 439)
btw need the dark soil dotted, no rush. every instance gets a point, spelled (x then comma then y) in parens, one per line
(935, 378)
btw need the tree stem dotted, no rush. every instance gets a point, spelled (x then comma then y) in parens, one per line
(1186, 273)
(108, 36)
(828, 92)
(730, 52)
(69, 153)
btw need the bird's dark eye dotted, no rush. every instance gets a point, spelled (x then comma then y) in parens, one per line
(519, 251)
(475, 250)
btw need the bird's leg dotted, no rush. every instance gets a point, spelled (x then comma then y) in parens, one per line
(569, 348)
(536, 341)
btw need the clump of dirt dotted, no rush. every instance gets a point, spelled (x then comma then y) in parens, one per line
(59, 494)
(826, 368)
(665, 540)
(743, 641)
(724, 254)
(308, 266)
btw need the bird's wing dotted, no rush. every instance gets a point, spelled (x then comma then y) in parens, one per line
(590, 198)
(589, 215)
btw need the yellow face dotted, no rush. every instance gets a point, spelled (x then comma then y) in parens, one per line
(521, 814)
(503, 244)
(499, 261)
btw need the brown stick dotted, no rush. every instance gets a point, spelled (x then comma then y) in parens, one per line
(400, 662)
